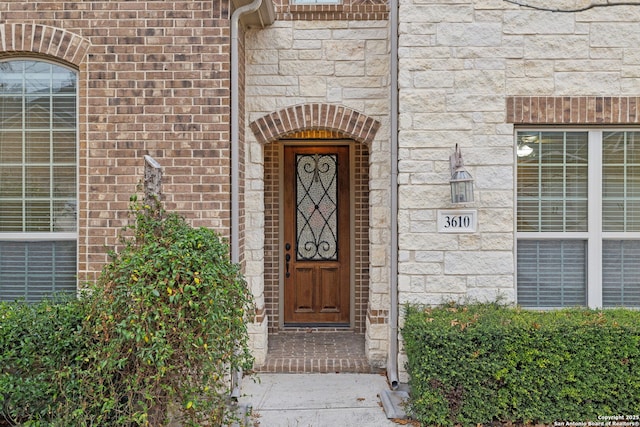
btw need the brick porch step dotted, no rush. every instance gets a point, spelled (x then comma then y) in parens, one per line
(316, 351)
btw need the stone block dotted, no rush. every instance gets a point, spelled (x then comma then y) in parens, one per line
(478, 262)
(258, 340)
(312, 86)
(496, 199)
(277, 36)
(495, 282)
(471, 34)
(611, 14)
(538, 22)
(493, 177)
(376, 66)
(607, 34)
(488, 82)
(306, 68)
(539, 86)
(433, 79)
(266, 56)
(554, 47)
(438, 13)
(494, 220)
(270, 80)
(630, 86)
(603, 83)
(474, 102)
(360, 34)
(349, 68)
(313, 24)
(442, 121)
(312, 34)
(421, 100)
(344, 50)
(378, 333)
(446, 285)
(497, 241)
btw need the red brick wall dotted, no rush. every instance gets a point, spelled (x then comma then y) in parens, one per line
(353, 10)
(154, 79)
(272, 236)
(580, 110)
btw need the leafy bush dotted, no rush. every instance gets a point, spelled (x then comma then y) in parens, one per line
(169, 313)
(40, 345)
(486, 363)
(153, 341)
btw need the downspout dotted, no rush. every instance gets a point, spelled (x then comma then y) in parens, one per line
(236, 377)
(392, 361)
(235, 127)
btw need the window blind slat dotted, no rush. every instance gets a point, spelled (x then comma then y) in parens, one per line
(551, 273)
(621, 273)
(33, 270)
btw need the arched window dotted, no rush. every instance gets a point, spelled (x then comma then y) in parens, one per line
(38, 179)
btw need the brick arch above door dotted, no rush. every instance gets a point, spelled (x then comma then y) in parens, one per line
(346, 121)
(43, 40)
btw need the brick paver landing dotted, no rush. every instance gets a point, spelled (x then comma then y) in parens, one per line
(316, 352)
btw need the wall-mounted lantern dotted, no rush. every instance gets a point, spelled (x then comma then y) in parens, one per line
(461, 181)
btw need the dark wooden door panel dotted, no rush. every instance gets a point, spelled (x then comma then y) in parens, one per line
(303, 302)
(329, 293)
(317, 232)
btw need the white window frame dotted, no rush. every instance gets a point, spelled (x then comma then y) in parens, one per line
(54, 236)
(595, 234)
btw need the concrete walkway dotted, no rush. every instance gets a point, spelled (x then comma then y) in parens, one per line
(315, 400)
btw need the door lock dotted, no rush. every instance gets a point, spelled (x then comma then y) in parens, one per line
(287, 258)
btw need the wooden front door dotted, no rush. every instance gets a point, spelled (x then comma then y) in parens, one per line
(316, 235)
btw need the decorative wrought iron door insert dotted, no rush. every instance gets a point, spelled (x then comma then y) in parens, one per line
(316, 207)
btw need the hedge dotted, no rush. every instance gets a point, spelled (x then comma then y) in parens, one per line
(42, 353)
(488, 363)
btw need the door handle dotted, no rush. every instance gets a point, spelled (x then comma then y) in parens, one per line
(287, 258)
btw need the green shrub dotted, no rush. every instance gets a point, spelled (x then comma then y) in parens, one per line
(485, 363)
(40, 345)
(153, 340)
(169, 314)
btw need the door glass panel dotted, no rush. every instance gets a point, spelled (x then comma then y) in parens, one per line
(316, 207)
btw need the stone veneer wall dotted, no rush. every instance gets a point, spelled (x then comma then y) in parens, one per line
(469, 72)
(337, 63)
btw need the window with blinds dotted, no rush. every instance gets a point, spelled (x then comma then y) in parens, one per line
(621, 273)
(38, 179)
(578, 218)
(31, 271)
(552, 273)
(552, 182)
(621, 181)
